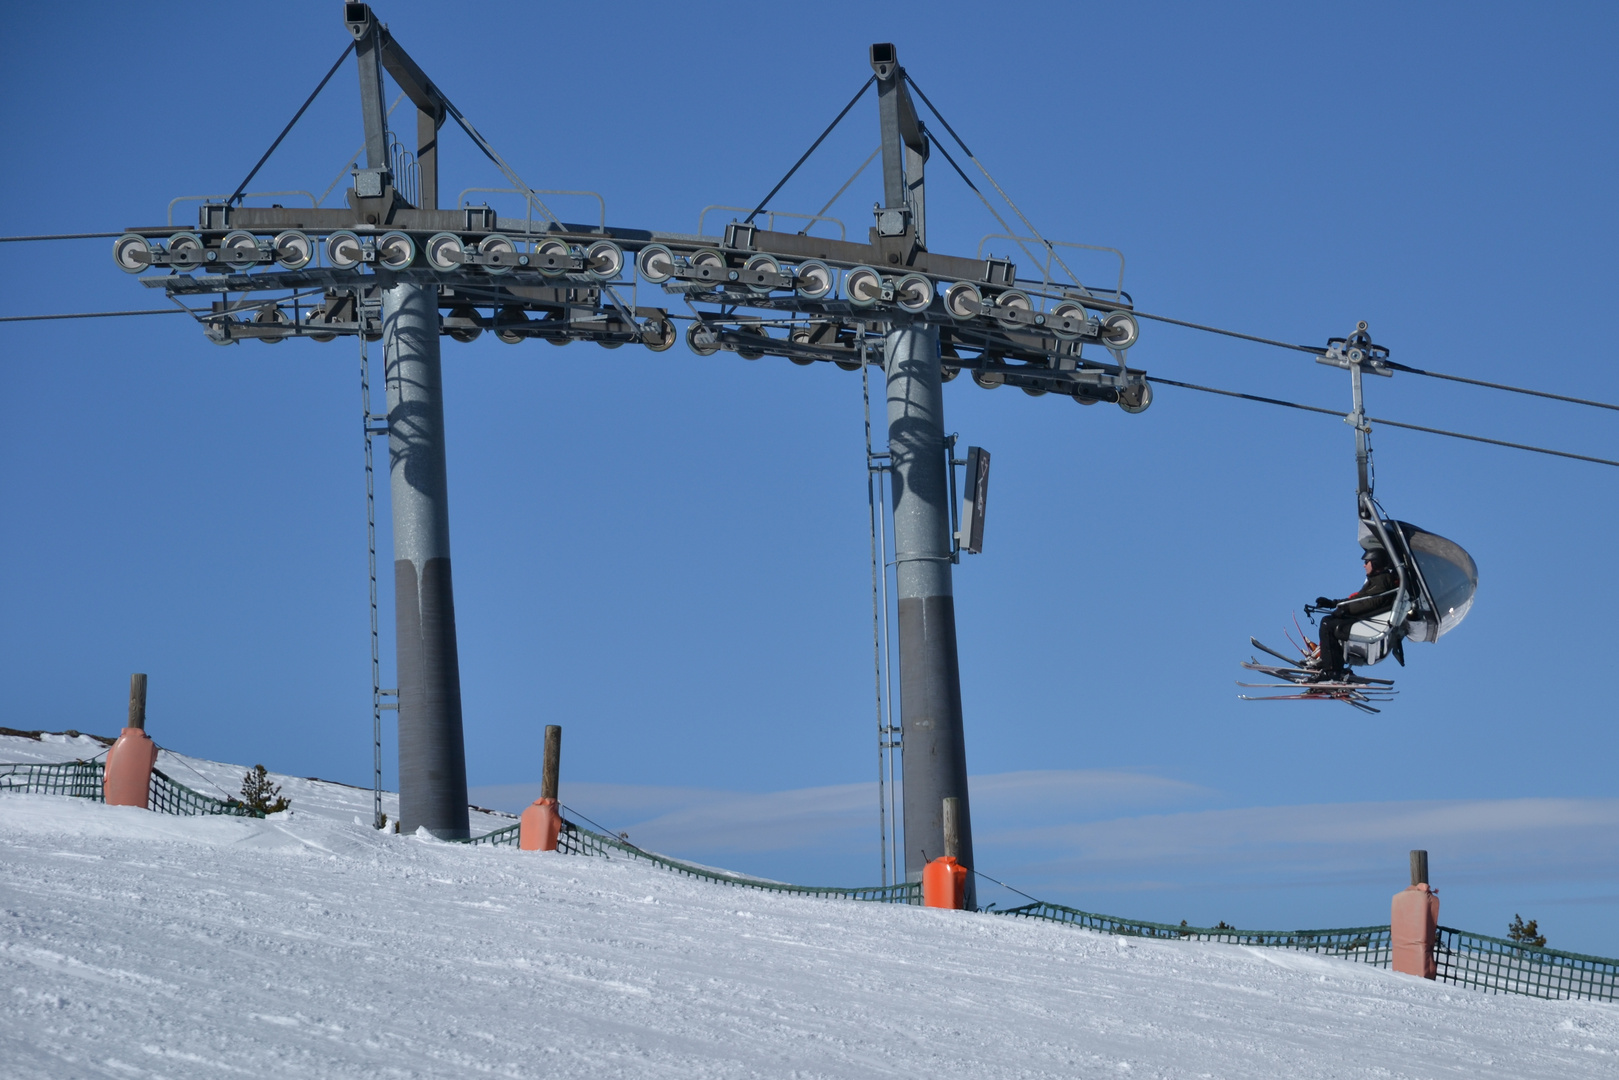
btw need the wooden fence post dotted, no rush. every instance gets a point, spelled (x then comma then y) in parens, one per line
(944, 880)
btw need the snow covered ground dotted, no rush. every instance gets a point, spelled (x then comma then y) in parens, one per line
(310, 945)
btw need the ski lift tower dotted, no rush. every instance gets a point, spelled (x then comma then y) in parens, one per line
(933, 751)
(432, 752)
(392, 265)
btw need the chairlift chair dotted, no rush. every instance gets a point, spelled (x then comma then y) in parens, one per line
(1437, 577)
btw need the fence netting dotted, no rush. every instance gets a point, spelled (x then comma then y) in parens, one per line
(575, 839)
(1511, 967)
(83, 779)
(1363, 944)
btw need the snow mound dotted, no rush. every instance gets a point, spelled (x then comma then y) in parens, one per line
(310, 945)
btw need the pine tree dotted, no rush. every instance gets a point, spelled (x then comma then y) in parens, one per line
(1526, 933)
(261, 795)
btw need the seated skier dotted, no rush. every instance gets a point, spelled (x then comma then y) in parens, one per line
(1373, 598)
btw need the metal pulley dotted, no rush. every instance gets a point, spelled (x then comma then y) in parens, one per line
(396, 251)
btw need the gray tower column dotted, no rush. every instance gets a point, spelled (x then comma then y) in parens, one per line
(432, 756)
(934, 751)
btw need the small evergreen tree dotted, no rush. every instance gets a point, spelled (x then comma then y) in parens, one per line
(1526, 933)
(261, 795)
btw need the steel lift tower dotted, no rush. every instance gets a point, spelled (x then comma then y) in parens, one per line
(934, 756)
(432, 754)
(393, 266)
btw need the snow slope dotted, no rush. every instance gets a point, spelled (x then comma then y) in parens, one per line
(310, 945)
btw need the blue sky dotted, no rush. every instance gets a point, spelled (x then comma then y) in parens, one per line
(668, 554)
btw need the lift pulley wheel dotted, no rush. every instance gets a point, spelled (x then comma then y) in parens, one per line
(507, 321)
(656, 263)
(503, 251)
(747, 352)
(271, 316)
(1068, 320)
(396, 251)
(701, 339)
(913, 293)
(801, 336)
(814, 280)
(604, 260)
(462, 322)
(553, 257)
(763, 273)
(186, 249)
(293, 249)
(708, 265)
(1011, 304)
(963, 300)
(132, 253)
(1135, 399)
(863, 286)
(345, 250)
(1119, 331)
(658, 334)
(240, 250)
(445, 252)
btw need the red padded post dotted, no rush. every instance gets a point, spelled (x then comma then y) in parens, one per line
(539, 826)
(1413, 929)
(127, 779)
(944, 883)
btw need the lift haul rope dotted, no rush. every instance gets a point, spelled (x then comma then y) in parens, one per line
(1376, 420)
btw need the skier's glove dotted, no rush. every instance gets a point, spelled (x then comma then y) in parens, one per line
(1325, 601)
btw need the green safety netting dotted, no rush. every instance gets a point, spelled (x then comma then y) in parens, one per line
(1511, 967)
(1364, 944)
(575, 839)
(82, 779)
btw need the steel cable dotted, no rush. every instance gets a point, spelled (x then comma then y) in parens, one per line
(94, 315)
(999, 190)
(1387, 423)
(1227, 333)
(61, 236)
(1501, 386)
(1407, 369)
(310, 100)
(783, 182)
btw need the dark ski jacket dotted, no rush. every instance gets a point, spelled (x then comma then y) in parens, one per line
(1369, 599)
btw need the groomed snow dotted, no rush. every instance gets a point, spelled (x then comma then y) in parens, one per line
(310, 945)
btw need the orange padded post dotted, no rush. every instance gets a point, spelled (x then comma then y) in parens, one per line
(944, 883)
(539, 826)
(1413, 929)
(126, 779)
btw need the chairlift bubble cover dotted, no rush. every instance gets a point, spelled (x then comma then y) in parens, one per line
(1448, 571)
